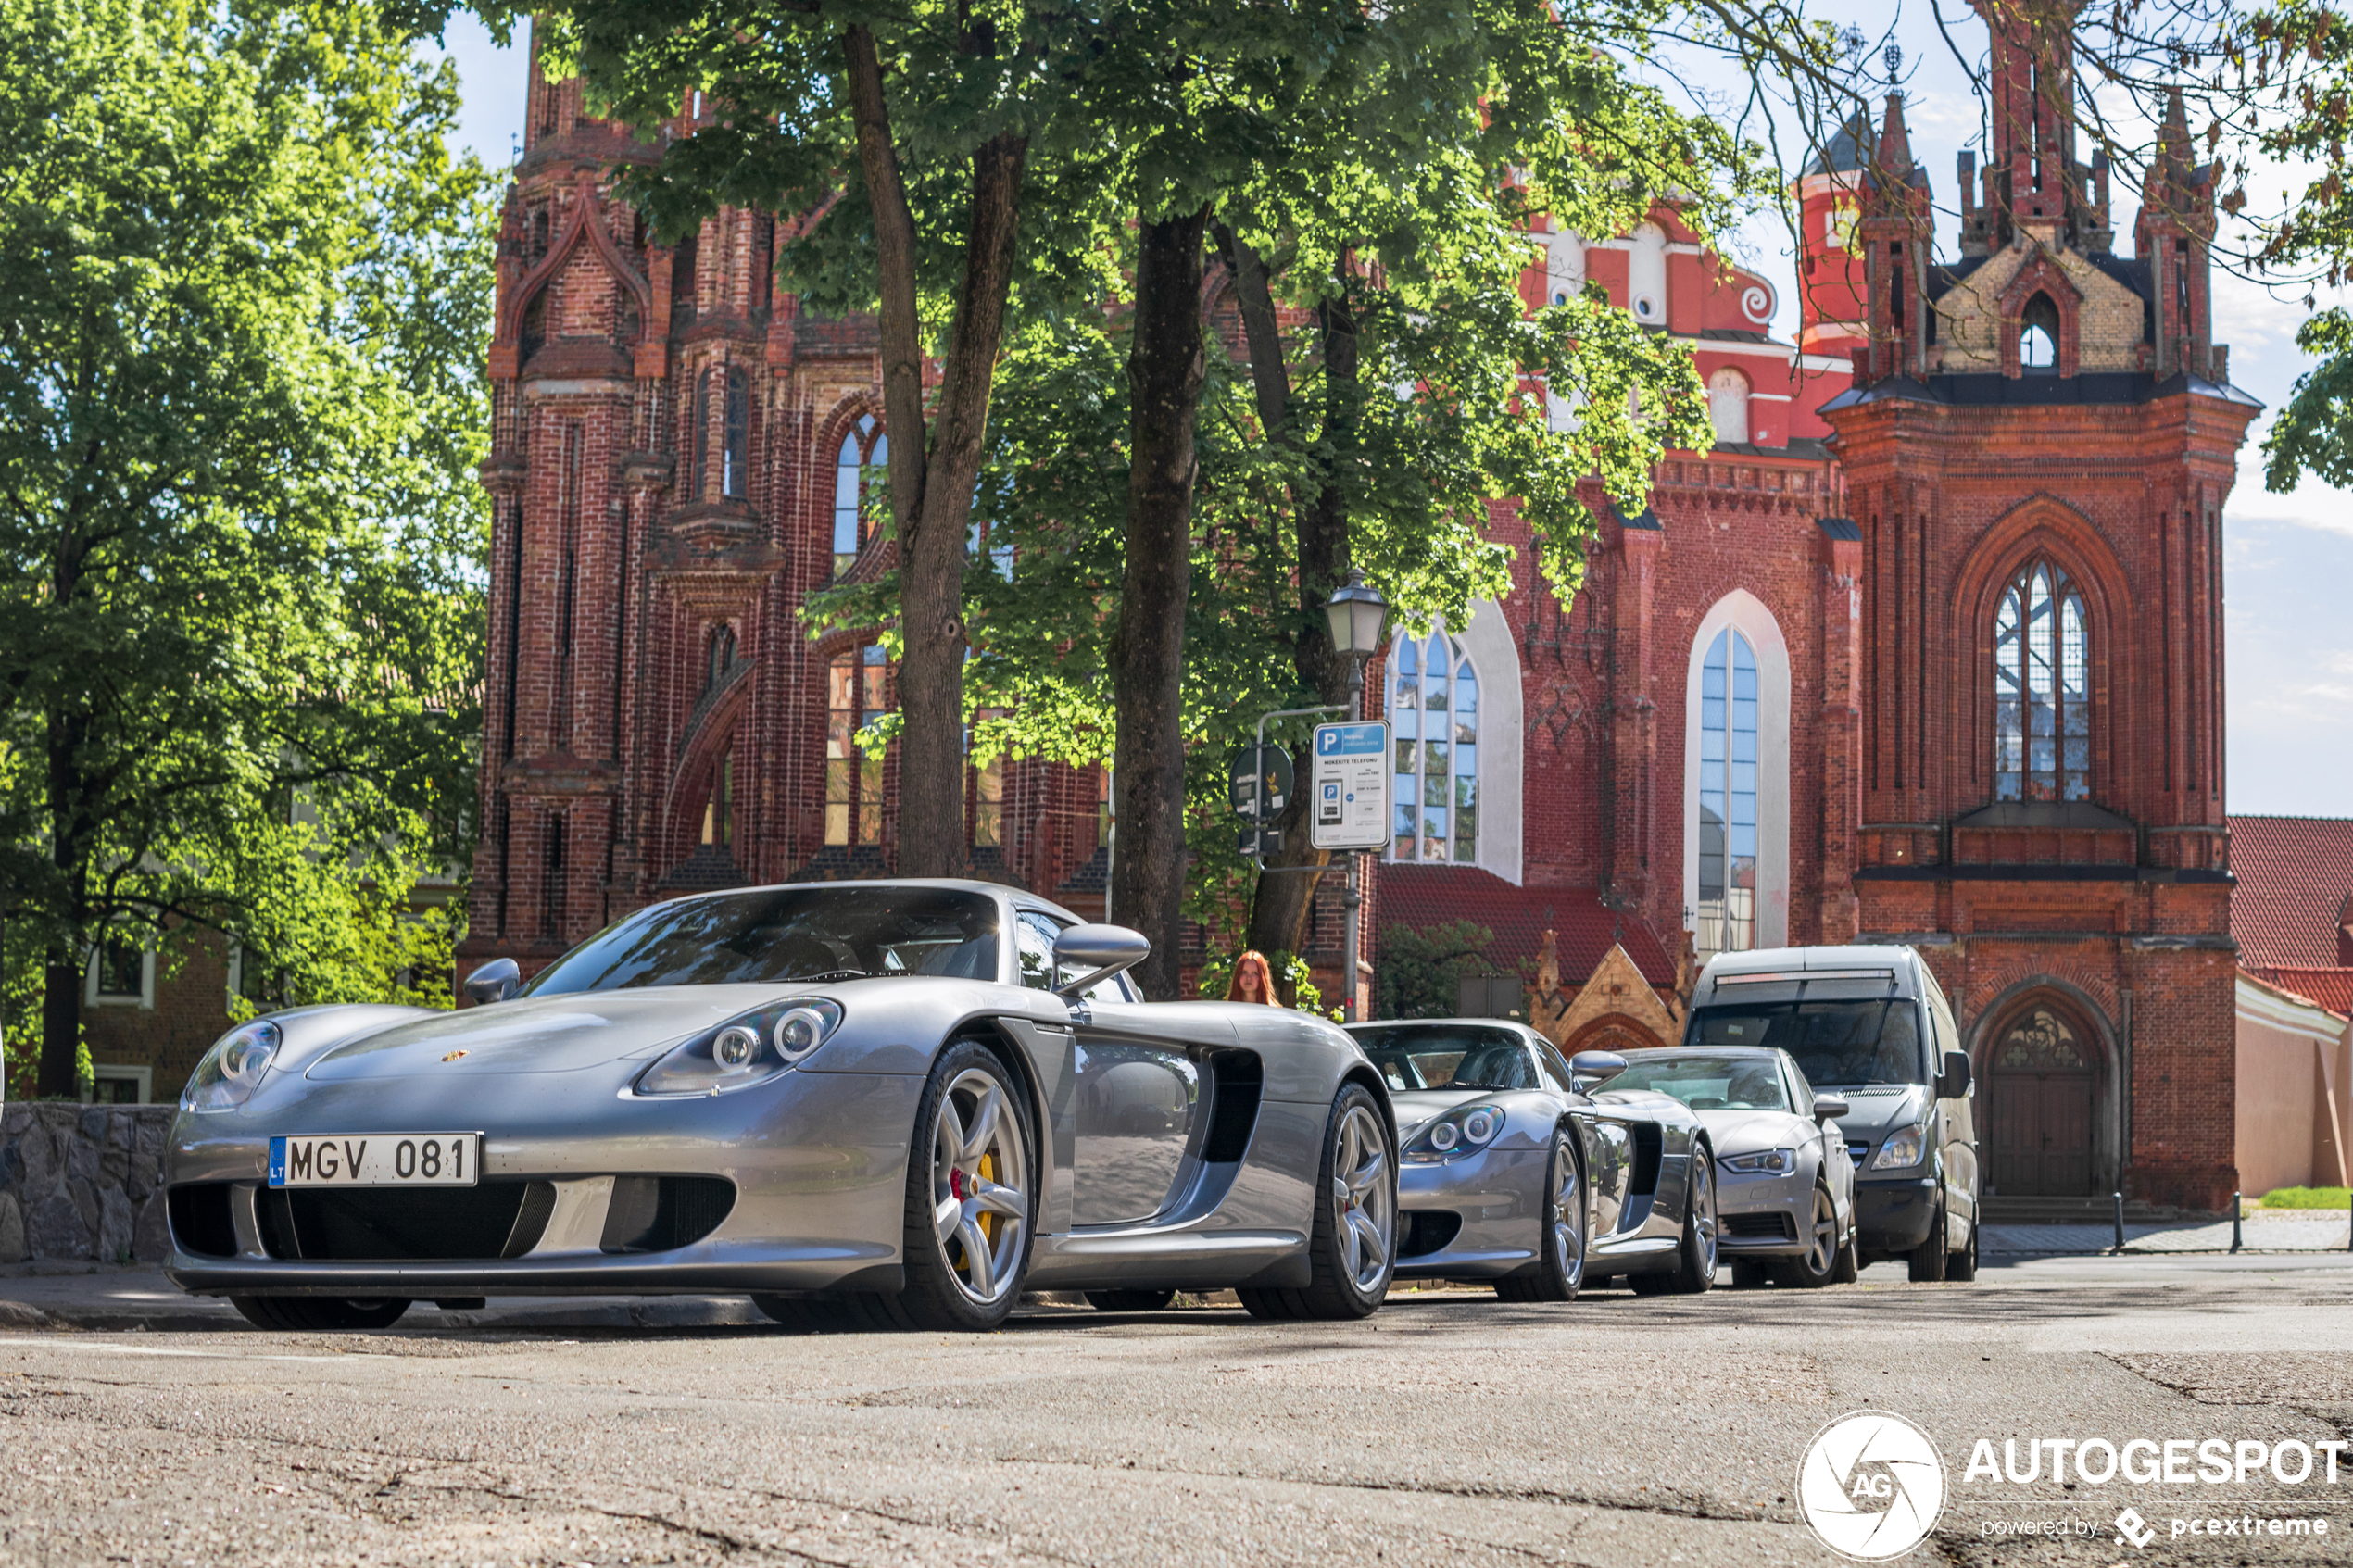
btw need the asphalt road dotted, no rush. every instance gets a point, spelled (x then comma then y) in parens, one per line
(1447, 1429)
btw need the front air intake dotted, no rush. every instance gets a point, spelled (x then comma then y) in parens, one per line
(497, 1219)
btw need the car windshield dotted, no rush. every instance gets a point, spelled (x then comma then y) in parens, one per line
(1434, 1058)
(839, 932)
(1707, 1082)
(1838, 1044)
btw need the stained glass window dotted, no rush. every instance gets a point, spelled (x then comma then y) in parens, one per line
(862, 450)
(1727, 913)
(2041, 689)
(858, 692)
(1433, 706)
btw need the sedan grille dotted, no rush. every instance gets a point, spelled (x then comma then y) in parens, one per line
(1857, 1149)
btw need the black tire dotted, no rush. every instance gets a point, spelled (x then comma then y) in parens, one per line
(314, 1314)
(1927, 1259)
(1559, 1270)
(1816, 1267)
(1695, 1258)
(1962, 1265)
(1130, 1300)
(1356, 1213)
(1750, 1273)
(1850, 1262)
(952, 1285)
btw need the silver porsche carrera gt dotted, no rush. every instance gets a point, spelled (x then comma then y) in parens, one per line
(883, 1104)
(1521, 1169)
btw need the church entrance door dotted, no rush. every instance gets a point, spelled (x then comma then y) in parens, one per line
(2039, 1113)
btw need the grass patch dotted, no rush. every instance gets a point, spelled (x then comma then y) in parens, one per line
(2307, 1197)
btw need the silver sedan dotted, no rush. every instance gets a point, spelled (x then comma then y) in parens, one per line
(1785, 1184)
(863, 1104)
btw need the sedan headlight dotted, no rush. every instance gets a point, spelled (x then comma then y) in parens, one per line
(744, 1051)
(228, 1074)
(1763, 1162)
(1903, 1147)
(1465, 1130)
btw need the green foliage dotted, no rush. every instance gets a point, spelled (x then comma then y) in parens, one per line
(2314, 432)
(1421, 970)
(2339, 1198)
(242, 294)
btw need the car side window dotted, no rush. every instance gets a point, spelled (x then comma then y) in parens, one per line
(1801, 1095)
(1548, 1056)
(1034, 945)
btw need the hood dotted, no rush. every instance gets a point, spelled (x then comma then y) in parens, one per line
(1416, 1108)
(542, 1034)
(1744, 1132)
(1880, 1108)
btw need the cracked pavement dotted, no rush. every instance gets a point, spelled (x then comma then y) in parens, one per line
(1449, 1428)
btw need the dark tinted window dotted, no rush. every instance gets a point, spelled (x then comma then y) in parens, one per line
(1835, 1044)
(840, 932)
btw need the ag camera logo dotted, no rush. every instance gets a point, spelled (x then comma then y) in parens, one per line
(1872, 1486)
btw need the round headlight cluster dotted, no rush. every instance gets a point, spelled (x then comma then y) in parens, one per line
(233, 1069)
(801, 1031)
(1457, 1133)
(735, 1048)
(1482, 1125)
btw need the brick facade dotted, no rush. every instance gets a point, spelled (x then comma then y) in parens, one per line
(664, 470)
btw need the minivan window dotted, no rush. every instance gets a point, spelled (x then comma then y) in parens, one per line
(1836, 1044)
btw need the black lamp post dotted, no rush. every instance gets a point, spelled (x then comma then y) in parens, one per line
(1355, 613)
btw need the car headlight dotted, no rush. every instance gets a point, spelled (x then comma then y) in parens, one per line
(232, 1070)
(1901, 1148)
(1763, 1162)
(743, 1051)
(1465, 1130)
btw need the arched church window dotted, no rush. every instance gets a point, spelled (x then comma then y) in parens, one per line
(858, 693)
(2041, 689)
(863, 449)
(1726, 916)
(2038, 336)
(719, 806)
(1727, 403)
(700, 437)
(719, 655)
(1433, 700)
(735, 464)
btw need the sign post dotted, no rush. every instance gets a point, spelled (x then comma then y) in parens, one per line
(1349, 810)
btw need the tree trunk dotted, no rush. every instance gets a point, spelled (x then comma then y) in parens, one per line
(932, 520)
(1165, 369)
(60, 1026)
(932, 546)
(1278, 906)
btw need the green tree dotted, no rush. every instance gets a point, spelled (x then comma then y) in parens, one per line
(242, 294)
(1421, 971)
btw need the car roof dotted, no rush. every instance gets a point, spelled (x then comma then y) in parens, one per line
(1776, 973)
(1018, 898)
(1701, 1050)
(1513, 1024)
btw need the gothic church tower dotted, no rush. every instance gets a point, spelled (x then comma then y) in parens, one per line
(2037, 448)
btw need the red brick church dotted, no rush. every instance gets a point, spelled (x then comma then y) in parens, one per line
(1928, 649)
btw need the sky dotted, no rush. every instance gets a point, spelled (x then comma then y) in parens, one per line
(2288, 559)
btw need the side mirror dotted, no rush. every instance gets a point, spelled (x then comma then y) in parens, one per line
(1955, 1081)
(1587, 1067)
(1829, 1107)
(494, 982)
(1100, 951)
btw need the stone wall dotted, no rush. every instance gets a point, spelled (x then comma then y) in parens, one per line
(79, 1180)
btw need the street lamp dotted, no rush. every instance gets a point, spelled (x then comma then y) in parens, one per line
(1355, 613)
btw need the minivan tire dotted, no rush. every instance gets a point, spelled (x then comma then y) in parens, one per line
(1929, 1258)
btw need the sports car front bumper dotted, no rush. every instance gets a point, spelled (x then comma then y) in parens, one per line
(1479, 1217)
(816, 1163)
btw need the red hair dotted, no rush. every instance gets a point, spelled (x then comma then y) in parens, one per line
(1252, 961)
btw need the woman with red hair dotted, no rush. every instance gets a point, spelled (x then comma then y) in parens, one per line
(1253, 980)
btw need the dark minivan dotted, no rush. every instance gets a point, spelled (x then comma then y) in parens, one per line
(1871, 1026)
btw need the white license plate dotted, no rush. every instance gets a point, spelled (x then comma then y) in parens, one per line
(377, 1160)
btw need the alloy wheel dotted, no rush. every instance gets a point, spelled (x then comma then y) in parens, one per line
(1568, 1219)
(980, 1187)
(1364, 1206)
(1821, 1251)
(1703, 1208)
